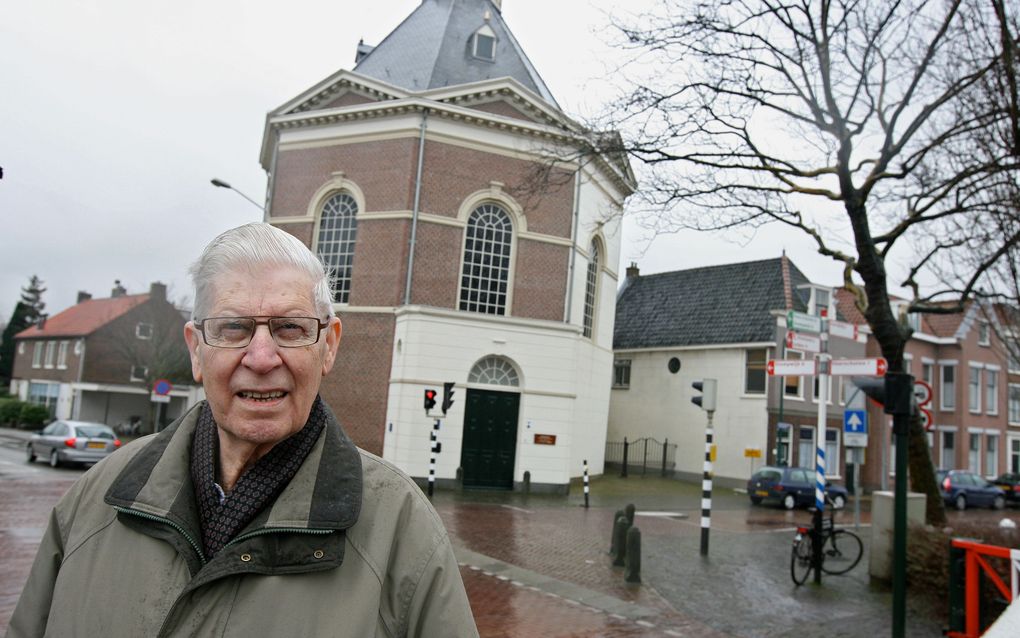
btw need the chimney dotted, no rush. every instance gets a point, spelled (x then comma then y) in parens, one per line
(83, 296)
(157, 291)
(118, 290)
(40, 323)
(633, 271)
(499, 5)
(363, 50)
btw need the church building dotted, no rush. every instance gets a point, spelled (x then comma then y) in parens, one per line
(471, 239)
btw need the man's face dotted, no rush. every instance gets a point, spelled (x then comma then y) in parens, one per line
(262, 393)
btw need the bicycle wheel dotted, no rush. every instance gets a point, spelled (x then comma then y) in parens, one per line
(800, 560)
(842, 551)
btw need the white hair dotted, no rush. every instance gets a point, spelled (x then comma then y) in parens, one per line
(251, 246)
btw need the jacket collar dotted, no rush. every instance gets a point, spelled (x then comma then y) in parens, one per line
(325, 494)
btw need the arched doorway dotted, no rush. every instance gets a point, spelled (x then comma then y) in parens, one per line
(489, 448)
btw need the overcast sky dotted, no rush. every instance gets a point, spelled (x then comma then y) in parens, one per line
(116, 114)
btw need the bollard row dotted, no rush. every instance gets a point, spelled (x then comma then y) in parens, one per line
(625, 545)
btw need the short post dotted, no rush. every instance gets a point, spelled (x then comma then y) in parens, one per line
(527, 481)
(665, 449)
(435, 446)
(644, 461)
(613, 549)
(621, 527)
(586, 484)
(623, 474)
(628, 511)
(632, 561)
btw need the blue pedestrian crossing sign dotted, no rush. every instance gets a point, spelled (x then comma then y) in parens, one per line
(855, 428)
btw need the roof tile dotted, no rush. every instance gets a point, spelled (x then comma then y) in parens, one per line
(84, 318)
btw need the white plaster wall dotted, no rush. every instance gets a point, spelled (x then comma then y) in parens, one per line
(558, 396)
(658, 405)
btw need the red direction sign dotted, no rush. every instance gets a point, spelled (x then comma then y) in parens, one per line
(876, 367)
(843, 329)
(790, 367)
(799, 341)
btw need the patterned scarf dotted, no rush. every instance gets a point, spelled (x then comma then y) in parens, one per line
(224, 515)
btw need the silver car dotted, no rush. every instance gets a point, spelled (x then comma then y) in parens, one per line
(72, 442)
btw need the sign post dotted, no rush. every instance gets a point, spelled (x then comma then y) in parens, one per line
(160, 394)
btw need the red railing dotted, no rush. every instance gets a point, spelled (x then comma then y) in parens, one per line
(976, 559)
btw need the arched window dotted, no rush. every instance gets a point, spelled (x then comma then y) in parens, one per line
(494, 371)
(591, 288)
(338, 228)
(484, 278)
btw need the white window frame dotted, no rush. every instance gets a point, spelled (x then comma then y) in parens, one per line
(480, 283)
(951, 465)
(984, 333)
(37, 354)
(145, 373)
(798, 355)
(813, 452)
(51, 354)
(21, 347)
(747, 370)
(928, 371)
(1013, 453)
(1013, 406)
(62, 355)
(992, 390)
(974, 454)
(143, 330)
(336, 243)
(943, 395)
(815, 309)
(828, 389)
(832, 459)
(487, 32)
(621, 364)
(991, 458)
(974, 388)
(591, 288)
(1012, 360)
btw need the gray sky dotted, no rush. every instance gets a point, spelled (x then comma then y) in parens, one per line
(117, 113)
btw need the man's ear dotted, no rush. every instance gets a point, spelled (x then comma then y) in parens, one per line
(333, 332)
(192, 338)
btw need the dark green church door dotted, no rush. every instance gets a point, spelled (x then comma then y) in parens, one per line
(490, 439)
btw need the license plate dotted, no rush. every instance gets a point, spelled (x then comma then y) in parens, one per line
(762, 493)
(94, 445)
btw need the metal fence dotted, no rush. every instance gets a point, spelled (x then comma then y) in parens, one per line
(642, 454)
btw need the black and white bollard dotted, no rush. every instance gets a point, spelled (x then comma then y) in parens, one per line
(706, 488)
(435, 447)
(586, 484)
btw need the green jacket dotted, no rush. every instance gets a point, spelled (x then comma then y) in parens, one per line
(122, 554)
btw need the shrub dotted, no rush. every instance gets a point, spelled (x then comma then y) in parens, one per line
(33, 416)
(10, 411)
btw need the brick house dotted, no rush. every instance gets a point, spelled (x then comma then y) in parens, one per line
(723, 322)
(975, 403)
(460, 251)
(97, 360)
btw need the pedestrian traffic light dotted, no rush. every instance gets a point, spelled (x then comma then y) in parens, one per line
(447, 395)
(707, 388)
(430, 399)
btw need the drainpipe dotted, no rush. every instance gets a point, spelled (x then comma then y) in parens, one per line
(79, 398)
(573, 244)
(272, 178)
(417, 201)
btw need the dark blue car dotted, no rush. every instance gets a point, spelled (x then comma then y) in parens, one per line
(790, 487)
(963, 489)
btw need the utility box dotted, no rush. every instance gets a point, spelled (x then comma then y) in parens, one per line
(882, 521)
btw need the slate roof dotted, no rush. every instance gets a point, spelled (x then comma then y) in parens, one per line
(705, 306)
(431, 49)
(84, 318)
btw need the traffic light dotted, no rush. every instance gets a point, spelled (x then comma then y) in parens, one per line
(894, 392)
(430, 399)
(447, 396)
(707, 399)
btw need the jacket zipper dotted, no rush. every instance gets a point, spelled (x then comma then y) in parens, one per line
(275, 530)
(167, 521)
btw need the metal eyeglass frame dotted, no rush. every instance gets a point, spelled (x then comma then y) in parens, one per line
(265, 321)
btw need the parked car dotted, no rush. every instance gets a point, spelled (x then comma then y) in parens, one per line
(66, 441)
(963, 489)
(790, 486)
(1010, 484)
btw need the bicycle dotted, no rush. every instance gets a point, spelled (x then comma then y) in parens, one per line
(841, 550)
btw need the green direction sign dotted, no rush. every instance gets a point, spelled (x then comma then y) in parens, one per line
(803, 322)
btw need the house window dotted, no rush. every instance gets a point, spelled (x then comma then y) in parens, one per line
(928, 373)
(754, 374)
(338, 229)
(914, 321)
(79, 345)
(992, 391)
(1013, 405)
(947, 393)
(494, 371)
(828, 389)
(974, 390)
(486, 273)
(139, 373)
(948, 450)
(822, 297)
(984, 338)
(37, 353)
(991, 455)
(21, 348)
(806, 447)
(483, 45)
(44, 394)
(791, 384)
(621, 373)
(51, 353)
(591, 288)
(831, 452)
(143, 330)
(974, 453)
(1013, 356)
(1014, 456)
(62, 355)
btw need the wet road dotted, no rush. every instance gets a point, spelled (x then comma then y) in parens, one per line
(537, 566)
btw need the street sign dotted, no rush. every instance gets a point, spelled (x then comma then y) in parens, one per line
(843, 329)
(162, 387)
(790, 367)
(803, 322)
(159, 398)
(803, 342)
(858, 367)
(927, 421)
(752, 452)
(922, 393)
(855, 428)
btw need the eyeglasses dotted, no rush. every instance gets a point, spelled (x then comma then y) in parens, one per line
(237, 332)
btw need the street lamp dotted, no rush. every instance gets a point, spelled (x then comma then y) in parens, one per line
(221, 184)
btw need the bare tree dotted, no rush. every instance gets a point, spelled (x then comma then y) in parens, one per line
(853, 121)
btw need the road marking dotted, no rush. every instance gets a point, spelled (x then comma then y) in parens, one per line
(645, 624)
(662, 514)
(517, 509)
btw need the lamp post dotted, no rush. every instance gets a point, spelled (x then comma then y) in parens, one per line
(219, 183)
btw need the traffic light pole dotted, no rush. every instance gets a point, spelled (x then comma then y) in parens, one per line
(823, 387)
(899, 397)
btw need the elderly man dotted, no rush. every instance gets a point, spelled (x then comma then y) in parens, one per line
(253, 514)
